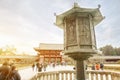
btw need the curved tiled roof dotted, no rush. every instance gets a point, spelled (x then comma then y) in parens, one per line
(51, 46)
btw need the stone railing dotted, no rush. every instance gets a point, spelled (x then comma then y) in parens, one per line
(103, 75)
(55, 75)
(70, 75)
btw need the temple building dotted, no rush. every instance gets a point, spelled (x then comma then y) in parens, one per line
(48, 53)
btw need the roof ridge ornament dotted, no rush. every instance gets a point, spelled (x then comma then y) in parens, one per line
(99, 6)
(76, 5)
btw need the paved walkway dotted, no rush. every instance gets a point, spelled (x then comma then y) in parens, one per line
(26, 73)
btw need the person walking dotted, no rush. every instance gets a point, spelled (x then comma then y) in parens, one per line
(40, 68)
(33, 66)
(37, 66)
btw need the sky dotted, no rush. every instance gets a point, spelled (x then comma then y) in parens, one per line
(25, 24)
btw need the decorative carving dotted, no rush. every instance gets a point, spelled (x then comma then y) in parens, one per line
(71, 30)
(84, 31)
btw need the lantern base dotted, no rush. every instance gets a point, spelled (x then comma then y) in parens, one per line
(81, 54)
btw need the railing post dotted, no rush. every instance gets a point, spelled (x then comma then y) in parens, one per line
(50, 76)
(44, 77)
(39, 76)
(71, 76)
(54, 76)
(106, 76)
(47, 76)
(115, 76)
(92, 76)
(96, 76)
(102, 76)
(57, 76)
(66, 76)
(62, 76)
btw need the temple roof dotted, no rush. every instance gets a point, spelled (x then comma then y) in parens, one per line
(44, 46)
(97, 16)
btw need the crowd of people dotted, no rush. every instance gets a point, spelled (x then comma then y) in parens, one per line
(8, 71)
(39, 67)
(42, 66)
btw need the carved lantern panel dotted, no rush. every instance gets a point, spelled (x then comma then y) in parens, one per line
(79, 32)
(84, 32)
(70, 32)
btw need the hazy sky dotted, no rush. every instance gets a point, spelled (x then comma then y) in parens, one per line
(26, 23)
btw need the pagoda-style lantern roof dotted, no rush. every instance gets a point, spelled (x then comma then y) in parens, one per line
(95, 13)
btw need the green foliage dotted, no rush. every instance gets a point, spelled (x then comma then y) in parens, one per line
(108, 50)
(8, 50)
(1, 51)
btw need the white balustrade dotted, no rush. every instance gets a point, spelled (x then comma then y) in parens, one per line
(70, 75)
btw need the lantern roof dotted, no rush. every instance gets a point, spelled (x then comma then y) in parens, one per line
(96, 14)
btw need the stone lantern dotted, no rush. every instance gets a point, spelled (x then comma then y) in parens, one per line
(79, 34)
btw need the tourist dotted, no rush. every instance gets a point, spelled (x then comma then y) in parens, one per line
(13, 75)
(53, 64)
(40, 67)
(33, 66)
(44, 66)
(93, 67)
(97, 66)
(101, 66)
(4, 70)
(74, 68)
(37, 66)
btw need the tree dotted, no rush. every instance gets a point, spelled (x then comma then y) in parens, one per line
(1, 51)
(108, 50)
(117, 51)
(8, 50)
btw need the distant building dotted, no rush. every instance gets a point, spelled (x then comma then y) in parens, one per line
(48, 53)
(105, 59)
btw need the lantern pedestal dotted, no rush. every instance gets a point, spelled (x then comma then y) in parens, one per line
(80, 56)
